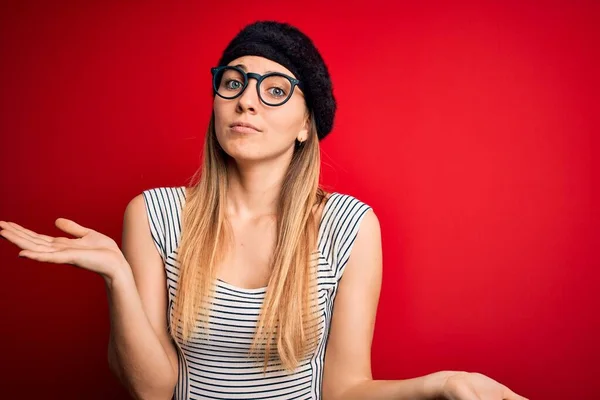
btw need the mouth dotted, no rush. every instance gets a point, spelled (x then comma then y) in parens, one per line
(243, 127)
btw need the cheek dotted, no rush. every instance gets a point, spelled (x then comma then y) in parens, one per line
(218, 107)
(222, 113)
(287, 123)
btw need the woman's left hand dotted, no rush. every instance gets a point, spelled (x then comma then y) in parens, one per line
(473, 386)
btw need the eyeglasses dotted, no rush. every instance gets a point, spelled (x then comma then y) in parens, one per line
(274, 88)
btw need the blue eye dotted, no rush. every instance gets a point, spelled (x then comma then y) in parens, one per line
(277, 92)
(233, 84)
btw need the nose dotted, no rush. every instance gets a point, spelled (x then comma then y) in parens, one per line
(249, 100)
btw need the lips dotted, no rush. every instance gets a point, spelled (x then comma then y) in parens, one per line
(243, 126)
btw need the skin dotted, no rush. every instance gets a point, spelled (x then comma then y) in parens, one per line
(142, 354)
(258, 163)
(347, 372)
(260, 159)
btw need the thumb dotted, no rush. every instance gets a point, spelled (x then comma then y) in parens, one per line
(71, 227)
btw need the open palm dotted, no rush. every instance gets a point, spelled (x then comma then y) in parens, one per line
(475, 386)
(89, 249)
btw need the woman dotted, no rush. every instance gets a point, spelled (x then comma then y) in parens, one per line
(225, 289)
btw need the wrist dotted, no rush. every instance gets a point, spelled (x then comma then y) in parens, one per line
(119, 276)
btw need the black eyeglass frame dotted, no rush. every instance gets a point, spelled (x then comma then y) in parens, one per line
(259, 78)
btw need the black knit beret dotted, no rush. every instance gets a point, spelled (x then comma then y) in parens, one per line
(288, 46)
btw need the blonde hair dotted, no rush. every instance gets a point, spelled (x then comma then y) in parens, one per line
(289, 312)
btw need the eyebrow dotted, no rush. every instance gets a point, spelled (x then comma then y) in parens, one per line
(242, 66)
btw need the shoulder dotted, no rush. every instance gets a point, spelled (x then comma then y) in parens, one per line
(165, 194)
(159, 209)
(156, 201)
(163, 201)
(346, 197)
(348, 207)
(344, 217)
(155, 197)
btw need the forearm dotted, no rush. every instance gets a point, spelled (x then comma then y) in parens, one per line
(421, 388)
(136, 355)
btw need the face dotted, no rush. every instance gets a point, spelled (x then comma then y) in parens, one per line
(277, 127)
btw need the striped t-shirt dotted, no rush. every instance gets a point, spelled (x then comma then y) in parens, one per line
(218, 367)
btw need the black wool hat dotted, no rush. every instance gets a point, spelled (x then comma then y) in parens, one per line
(288, 46)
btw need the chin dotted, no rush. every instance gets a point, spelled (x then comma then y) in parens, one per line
(241, 150)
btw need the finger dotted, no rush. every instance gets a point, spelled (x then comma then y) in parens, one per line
(58, 257)
(30, 232)
(72, 227)
(69, 256)
(25, 243)
(510, 395)
(20, 231)
(466, 393)
(12, 226)
(3, 225)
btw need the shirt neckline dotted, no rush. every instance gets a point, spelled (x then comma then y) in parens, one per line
(263, 289)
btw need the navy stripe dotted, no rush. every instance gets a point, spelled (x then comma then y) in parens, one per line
(216, 364)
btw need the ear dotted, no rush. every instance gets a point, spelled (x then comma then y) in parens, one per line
(303, 133)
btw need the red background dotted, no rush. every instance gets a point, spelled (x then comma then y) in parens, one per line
(469, 127)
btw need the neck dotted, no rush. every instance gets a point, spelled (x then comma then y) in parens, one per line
(254, 189)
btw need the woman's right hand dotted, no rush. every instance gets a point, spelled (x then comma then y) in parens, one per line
(89, 249)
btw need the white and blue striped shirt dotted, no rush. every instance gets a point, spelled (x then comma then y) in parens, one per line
(217, 367)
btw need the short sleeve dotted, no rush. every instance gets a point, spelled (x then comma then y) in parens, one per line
(164, 207)
(349, 213)
(156, 220)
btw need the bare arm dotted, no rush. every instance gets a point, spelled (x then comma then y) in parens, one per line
(140, 352)
(347, 373)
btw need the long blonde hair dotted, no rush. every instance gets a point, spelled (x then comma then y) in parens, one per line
(288, 315)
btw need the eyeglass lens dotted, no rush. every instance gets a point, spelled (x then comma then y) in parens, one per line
(273, 90)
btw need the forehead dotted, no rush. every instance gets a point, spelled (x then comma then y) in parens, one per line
(260, 65)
